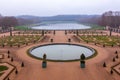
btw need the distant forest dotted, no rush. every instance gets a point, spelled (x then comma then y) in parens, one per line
(109, 18)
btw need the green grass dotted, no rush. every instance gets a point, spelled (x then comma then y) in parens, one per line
(95, 26)
(2, 68)
(21, 28)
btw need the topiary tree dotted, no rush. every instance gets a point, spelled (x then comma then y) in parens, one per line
(112, 45)
(11, 45)
(82, 62)
(103, 45)
(22, 64)
(18, 45)
(11, 59)
(8, 78)
(8, 56)
(82, 57)
(111, 72)
(117, 56)
(87, 42)
(8, 52)
(69, 40)
(44, 57)
(104, 64)
(113, 59)
(51, 40)
(3, 45)
(116, 52)
(16, 71)
(95, 43)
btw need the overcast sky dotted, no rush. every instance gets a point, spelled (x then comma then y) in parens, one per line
(57, 7)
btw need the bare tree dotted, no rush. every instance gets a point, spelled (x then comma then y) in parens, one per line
(111, 19)
(8, 22)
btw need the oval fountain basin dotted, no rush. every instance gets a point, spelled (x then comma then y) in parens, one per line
(61, 52)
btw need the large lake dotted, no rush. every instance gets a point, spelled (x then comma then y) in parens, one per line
(61, 26)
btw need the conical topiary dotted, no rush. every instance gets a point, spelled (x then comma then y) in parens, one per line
(11, 59)
(113, 59)
(22, 65)
(117, 56)
(111, 72)
(104, 64)
(8, 78)
(44, 57)
(116, 52)
(16, 72)
(8, 52)
(82, 57)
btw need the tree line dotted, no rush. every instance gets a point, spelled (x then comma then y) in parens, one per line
(10, 21)
(111, 19)
(7, 22)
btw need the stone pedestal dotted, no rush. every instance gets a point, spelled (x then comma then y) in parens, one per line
(44, 64)
(82, 64)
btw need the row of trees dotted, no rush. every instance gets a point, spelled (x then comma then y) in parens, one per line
(111, 19)
(8, 21)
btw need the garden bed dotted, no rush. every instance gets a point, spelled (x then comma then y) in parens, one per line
(101, 39)
(18, 40)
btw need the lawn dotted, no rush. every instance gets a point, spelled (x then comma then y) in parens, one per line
(2, 68)
(21, 28)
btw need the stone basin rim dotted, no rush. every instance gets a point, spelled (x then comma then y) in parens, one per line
(35, 57)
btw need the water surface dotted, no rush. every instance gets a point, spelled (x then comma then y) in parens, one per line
(62, 51)
(61, 26)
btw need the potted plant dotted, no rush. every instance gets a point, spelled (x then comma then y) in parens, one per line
(44, 62)
(82, 62)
